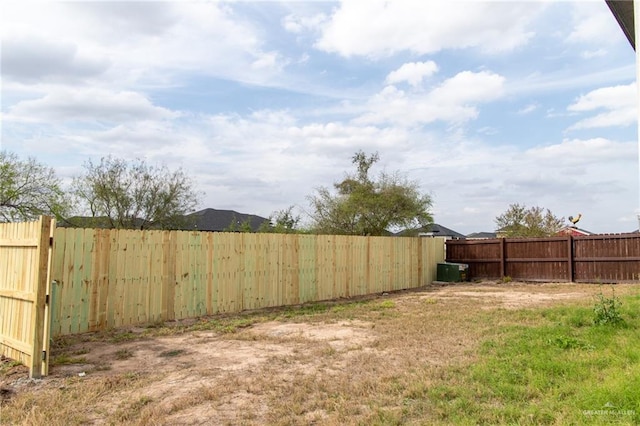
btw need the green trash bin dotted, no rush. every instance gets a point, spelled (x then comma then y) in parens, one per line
(452, 272)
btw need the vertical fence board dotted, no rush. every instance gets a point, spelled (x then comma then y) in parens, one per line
(307, 259)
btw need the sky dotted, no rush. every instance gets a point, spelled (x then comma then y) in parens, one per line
(483, 103)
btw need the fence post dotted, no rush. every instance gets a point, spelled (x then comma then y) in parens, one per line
(38, 321)
(168, 275)
(570, 257)
(48, 303)
(503, 262)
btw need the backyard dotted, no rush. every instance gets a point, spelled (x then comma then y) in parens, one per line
(490, 352)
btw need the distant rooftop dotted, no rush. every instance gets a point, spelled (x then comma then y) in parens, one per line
(481, 235)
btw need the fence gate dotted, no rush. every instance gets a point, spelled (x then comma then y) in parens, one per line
(25, 253)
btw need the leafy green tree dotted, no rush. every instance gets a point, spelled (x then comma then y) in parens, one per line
(135, 195)
(282, 222)
(237, 226)
(520, 221)
(363, 205)
(29, 189)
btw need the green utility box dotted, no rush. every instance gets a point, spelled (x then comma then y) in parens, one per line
(452, 272)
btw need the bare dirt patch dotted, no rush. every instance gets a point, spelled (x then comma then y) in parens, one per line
(518, 295)
(302, 369)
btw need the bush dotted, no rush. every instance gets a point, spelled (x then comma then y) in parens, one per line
(607, 310)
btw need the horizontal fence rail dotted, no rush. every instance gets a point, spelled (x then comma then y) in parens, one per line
(110, 278)
(608, 258)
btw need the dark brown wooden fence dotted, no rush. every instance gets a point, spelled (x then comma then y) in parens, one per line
(594, 258)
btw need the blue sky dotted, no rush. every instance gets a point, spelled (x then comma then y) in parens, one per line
(485, 104)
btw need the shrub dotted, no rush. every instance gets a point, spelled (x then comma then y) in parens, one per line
(607, 310)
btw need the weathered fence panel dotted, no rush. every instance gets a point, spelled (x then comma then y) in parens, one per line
(607, 258)
(110, 278)
(594, 258)
(24, 262)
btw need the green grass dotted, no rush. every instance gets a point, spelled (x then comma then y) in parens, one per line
(563, 370)
(67, 359)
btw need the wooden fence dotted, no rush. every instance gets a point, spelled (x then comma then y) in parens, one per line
(24, 262)
(110, 278)
(593, 258)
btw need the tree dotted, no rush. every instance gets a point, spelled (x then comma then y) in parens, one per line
(366, 206)
(520, 221)
(237, 226)
(282, 222)
(135, 195)
(29, 189)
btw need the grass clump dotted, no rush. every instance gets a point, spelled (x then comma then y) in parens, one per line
(123, 354)
(7, 364)
(172, 353)
(68, 359)
(225, 325)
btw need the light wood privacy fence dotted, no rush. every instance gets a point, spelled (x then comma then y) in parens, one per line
(110, 278)
(24, 264)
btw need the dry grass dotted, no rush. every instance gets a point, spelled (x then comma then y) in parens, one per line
(381, 360)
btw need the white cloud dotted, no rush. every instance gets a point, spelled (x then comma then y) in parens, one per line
(341, 139)
(619, 101)
(589, 54)
(92, 105)
(297, 24)
(488, 130)
(593, 23)
(32, 59)
(453, 101)
(527, 109)
(607, 97)
(412, 72)
(380, 28)
(584, 152)
(268, 61)
(470, 87)
(141, 41)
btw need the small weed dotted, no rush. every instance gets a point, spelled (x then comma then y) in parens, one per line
(125, 336)
(156, 324)
(171, 353)
(224, 325)
(387, 304)
(124, 354)
(567, 342)
(103, 367)
(8, 364)
(132, 412)
(506, 279)
(607, 310)
(66, 359)
(310, 309)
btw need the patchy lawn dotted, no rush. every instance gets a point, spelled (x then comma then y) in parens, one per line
(464, 353)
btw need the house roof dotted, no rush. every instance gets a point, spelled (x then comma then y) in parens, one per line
(435, 229)
(203, 220)
(481, 235)
(221, 220)
(573, 230)
(623, 12)
(100, 222)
